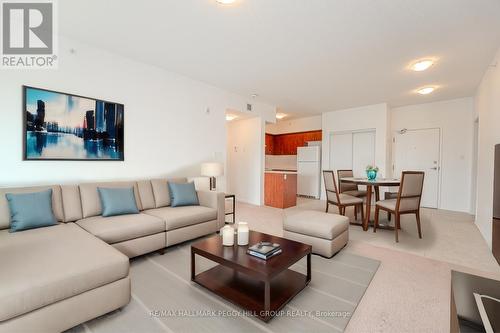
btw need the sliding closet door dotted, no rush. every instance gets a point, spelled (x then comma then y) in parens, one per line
(341, 151)
(352, 151)
(363, 147)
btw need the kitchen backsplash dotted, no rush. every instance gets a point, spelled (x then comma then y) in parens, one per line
(286, 162)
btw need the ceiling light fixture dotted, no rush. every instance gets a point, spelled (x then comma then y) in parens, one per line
(422, 65)
(426, 90)
(254, 95)
(225, 2)
(280, 115)
(230, 117)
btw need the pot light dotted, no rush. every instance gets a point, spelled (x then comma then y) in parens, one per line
(422, 65)
(225, 2)
(280, 115)
(230, 117)
(426, 90)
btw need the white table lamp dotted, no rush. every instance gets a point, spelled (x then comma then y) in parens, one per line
(212, 170)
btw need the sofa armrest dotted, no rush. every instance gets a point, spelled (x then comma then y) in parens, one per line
(215, 200)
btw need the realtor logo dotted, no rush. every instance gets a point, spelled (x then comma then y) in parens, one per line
(28, 34)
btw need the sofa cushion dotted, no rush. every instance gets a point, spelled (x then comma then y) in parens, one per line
(178, 217)
(117, 201)
(72, 203)
(91, 204)
(316, 224)
(42, 266)
(161, 192)
(183, 194)
(30, 210)
(120, 228)
(146, 194)
(57, 206)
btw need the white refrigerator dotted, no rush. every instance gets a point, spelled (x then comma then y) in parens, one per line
(309, 171)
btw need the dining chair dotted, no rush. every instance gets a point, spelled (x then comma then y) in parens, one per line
(390, 195)
(407, 202)
(348, 188)
(341, 200)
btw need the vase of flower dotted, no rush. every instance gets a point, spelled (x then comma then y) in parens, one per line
(371, 172)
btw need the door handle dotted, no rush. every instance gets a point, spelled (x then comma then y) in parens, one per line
(435, 168)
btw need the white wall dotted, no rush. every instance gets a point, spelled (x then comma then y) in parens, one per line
(455, 119)
(355, 119)
(167, 129)
(295, 125)
(487, 104)
(245, 161)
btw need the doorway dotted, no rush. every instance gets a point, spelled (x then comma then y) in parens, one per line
(245, 157)
(420, 150)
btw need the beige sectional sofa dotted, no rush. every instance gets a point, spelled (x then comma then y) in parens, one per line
(54, 278)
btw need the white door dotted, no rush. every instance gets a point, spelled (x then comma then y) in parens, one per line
(363, 148)
(419, 150)
(341, 151)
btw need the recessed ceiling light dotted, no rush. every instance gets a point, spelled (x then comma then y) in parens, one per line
(422, 65)
(254, 95)
(225, 2)
(280, 115)
(230, 117)
(426, 90)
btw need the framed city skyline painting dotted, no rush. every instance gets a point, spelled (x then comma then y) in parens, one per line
(60, 126)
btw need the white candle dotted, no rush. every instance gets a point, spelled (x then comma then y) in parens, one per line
(227, 236)
(243, 232)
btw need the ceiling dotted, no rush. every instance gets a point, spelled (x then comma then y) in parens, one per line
(304, 56)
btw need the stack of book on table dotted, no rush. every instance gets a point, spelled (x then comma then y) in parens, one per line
(264, 250)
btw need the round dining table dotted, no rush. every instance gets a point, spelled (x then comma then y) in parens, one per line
(370, 185)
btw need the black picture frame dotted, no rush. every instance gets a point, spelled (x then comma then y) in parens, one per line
(120, 136)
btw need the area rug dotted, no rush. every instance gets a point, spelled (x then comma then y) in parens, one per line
(165, 300)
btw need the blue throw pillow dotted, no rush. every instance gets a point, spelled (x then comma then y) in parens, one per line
(117, 201)
(30, 210)
(183, 194)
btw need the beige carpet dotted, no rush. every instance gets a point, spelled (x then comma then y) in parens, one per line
(411, 290)
(165, 300)
(447, 236)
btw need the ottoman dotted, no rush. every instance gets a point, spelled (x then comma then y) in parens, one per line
(326, 233)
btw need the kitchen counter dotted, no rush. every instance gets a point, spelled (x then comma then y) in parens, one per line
(282, 172)
(280, 189)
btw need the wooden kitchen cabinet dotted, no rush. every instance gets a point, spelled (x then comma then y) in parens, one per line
(286, 144)
(280, 189)
(269, 144)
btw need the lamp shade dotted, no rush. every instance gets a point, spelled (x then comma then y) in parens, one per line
(212, 169)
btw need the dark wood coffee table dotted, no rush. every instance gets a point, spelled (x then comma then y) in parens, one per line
(258, 286)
